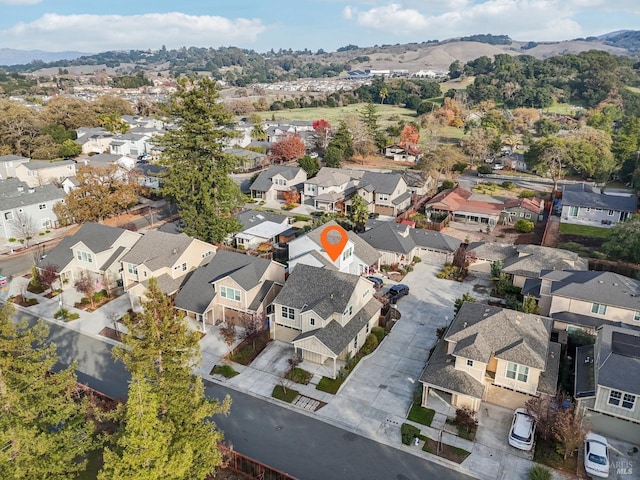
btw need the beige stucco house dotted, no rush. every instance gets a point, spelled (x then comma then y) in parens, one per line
(166, 257)
(275, 181)
(39, 172)
(230, 284)
(326, 323)
(492, 354)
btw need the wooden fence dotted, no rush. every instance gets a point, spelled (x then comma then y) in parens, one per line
(250, 468)
(631, 270)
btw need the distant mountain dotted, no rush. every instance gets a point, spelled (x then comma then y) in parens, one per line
(10, 56)
(610, 35)
(627, 39)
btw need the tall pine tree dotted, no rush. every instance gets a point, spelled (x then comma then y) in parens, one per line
(197, 175)
(44, 428)
(160, 352)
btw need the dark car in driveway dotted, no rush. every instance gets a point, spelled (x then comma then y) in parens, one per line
(377, 281)
(396, 292)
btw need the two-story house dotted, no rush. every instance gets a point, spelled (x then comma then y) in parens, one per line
(259, 228)
(130, 144)
(331, 187)
(230, 285)
(385, 193)
(95, 249)
(40, 172)
(164, 256)
(93, 140)
(586, 205)
(357, 257)
(20, 204)
(607, 382)
(8, 164)
(589, 299)
(492, 354)
(275, 181)
(328, 322)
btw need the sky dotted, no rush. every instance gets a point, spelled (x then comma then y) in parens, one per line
(95, 26)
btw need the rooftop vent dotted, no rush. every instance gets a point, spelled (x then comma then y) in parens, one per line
(464, 325)
(20, 188)
(31, 190)
(174, 251)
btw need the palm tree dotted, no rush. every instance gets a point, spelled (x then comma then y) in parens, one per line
(258, 132)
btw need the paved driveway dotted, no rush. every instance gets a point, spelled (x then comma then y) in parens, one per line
(380, 390)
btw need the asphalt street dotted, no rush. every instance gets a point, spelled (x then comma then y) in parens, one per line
(287, 440)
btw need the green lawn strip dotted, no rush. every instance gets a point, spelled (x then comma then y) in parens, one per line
(299, 375)
(421, 415)
(329, 385)
(584, 230)
(286, 395)
(226, 371)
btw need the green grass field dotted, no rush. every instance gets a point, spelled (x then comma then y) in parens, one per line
(563, 109)
(584, 230)
(389, 114)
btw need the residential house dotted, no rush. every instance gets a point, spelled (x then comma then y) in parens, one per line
(325, 314)
(492, 354)
(259, 228)
(40, 172)
(607, 382)
(531, 260)
(275, 181)
(124, 163)
(164, 256)
(8, 164)
(95, 249)
(20, 204)
(93, 140)
(399, 243)
(515, 161)
(331, 187)
(398, 153)
(586, 205)
(589, 299)
(516, 209)
(248, 159)
(240, 135)
(229, 286)
(484, 254)
(418, 182)
(151, 123)
(69, 184)
(131, 144)
(358, 257)
(385, 193)
(150, 175)
(466, 207)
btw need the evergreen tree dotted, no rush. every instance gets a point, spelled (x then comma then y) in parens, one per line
(369, 116)
(44, 431)
(160, 351)
(197, 176)
(359, 212)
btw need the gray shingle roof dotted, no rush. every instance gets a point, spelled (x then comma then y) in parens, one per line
(197, 292)
(158, 249)
(607, 288)
(440, 372)
(401, 198)
(42, 164)
(97, 237)
(330, 293)
(585, 382)
(12, 158)
(599, 200)
(588, 321)
(381, 182)
(492, 251)
(263, 183)
(332, 177)
(399, 238)
(335, 337)
(362, 249)
(105, 158)
(614, 369)
(251, 218)
(507, 334)
(533, 259)
(11, 197)
(548, 380)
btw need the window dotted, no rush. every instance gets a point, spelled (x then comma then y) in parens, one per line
(132, 269)
(469, 363)
(8, 216)
(521, 214)
(383, 196)
(636, 316)
(528, 215)
(312, 321)
(611, 213)
(207, 254)
(229, 293)
(367, 327)
(184, 267)
(517, 372)
(619, 399)
(45, 222)
(355, 343)
(288, 313)
(42, 206)
(347, 253)
(599, 309)
(85, 257)
(628, 401)
(348, 311)
(573, 211)
(588, 209)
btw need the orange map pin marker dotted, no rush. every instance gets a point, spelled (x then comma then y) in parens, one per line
(333, 239)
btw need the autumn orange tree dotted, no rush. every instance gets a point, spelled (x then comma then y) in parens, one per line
(289, 148)
(409, 136)
(291, 196)
(322, 129)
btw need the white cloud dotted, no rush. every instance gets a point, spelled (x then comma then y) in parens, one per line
(97, 33)
(520, 19)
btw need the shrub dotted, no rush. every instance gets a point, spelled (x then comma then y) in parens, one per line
(370, 344)
(226, 371)
(416, 259)
(301, 218)
(538, 472)
(41, 234)
(507, 185)
(66, 315)
(484, 169)
(524, 226)
(378, 332)
(527, 194)
(466, 419)
(299, 375)
(408, 432)
(447, 185)
(12, 239)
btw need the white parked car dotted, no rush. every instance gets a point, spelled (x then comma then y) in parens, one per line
(522, 430)
(596, 455)
(498, 166)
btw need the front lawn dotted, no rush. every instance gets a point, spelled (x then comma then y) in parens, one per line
(285, 394)
(226, 371)
(250, 348)
(329, 385)
(584, 230)
(421, 415)
(547, 454)
(454, 454)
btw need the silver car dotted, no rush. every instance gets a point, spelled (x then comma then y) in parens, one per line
(522, 430)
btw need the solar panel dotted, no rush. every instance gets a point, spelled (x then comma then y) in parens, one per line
(625, 344)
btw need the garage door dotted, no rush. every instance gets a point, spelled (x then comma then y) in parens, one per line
(384, 210)
(433, 258)
(280, 194)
